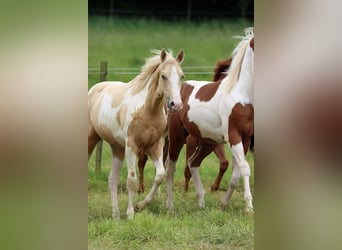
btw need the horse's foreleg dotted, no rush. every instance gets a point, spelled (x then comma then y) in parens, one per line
(221, 155)
(234, 181)
(113, 180)
(141, 165)
(239, 156)
(157, 158)
(132, 183)
(177, 136)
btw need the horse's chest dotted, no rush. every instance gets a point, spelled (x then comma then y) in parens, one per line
(146, 130)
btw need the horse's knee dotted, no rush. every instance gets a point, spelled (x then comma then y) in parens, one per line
(234, 181)
(132, 183)
(245, 169)
(160, 178)
(224, 165)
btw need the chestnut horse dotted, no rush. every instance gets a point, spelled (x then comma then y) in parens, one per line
(191, 144)
(132, 119)
(214, 113)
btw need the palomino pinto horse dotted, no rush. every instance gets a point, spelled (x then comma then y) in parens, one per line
(132, 119)
(192, 143)
(217, 112)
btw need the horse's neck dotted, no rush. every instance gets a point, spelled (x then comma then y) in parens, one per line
(245, 85)
(153, 102)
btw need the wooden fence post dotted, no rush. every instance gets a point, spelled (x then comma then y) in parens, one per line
(103, 77)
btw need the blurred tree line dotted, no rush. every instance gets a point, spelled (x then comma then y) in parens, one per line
(174, 9)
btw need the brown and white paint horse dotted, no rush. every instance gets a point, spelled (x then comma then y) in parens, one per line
(215, 113)
(131, 118)
(192, 143)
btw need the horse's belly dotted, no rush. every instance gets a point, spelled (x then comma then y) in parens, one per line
(111, 135)
(208, 123)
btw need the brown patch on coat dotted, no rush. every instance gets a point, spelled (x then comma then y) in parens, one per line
(121, 115)
(206, 92)
(241, 125)
(183, 113)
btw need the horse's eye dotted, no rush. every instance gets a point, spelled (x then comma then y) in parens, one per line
(182, 77)
(164, 77)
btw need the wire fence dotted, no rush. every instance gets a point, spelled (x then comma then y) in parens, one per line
(188, 70)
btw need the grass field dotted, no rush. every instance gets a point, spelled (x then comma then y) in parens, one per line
(126, 44)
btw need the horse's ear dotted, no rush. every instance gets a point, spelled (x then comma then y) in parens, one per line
(162, 55)
(180, 56)
(251, 43)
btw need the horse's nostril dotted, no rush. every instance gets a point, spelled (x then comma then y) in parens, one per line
(172, 103)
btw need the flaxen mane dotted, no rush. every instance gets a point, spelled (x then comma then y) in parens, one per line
(151, 64)
(238, 55)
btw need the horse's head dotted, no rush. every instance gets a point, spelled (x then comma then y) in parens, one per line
(250, 49)
(170, 79)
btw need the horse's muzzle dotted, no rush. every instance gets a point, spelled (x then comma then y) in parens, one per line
(174, 106)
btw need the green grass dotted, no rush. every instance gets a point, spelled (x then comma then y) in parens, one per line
(189, 227)
(126, 43)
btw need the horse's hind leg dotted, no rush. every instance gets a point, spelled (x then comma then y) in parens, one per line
(234, 181)
(113, 179)
(221, 155)
(93, 139)
(204, 149)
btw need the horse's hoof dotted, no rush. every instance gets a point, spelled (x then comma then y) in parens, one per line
(169, 206)
(201, 204)
(250, 210)
(116, 216)
(138, 206)
(223, 206)
(214, 188)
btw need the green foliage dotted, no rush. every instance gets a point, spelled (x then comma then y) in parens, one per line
(126, 43)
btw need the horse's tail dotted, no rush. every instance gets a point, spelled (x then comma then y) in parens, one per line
(221, 69)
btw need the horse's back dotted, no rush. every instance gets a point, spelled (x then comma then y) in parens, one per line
(109, 86)
(115, 89)
(104, 99)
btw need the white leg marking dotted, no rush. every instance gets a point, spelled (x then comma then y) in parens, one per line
(234, 181)
(132, 183)
(239, 155)
(113, 181)
(170, 171)
(198, 186)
